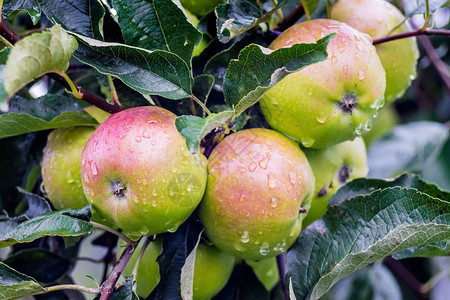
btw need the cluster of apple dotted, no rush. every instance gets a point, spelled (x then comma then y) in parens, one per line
(258, 187)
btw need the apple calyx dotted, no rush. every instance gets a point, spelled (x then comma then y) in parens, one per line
(348, 103)
(344, 174)
(118, 188)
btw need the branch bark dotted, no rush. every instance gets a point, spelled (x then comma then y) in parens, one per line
(417, 32)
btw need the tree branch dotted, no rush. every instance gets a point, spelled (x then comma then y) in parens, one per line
(89, 98)
(417, 32)
(107, 288)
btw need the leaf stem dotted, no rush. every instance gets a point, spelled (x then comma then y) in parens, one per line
(408, 34)
(201, 104)
(427, 286)
(328, 9)
(291, 19)
(76, 93)
(427, 15)
(108, 285)
(120, 235)
(306, 8)
(68, 287)
(113, 91)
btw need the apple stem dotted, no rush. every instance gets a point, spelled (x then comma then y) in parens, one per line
(408, 34)
(120, 235)
(281, 263)
(114, 95)
(141, 253)
(107, 288)
(208, 112)
(11, 39)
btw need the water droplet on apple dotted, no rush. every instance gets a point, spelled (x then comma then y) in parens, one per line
(361, 74)
(173, 229)
(242, 170)
(153, 143)
(359, 129)
(174, 170)
(264, 250)
(138, 139)
(292, 178)
(239, 247)
(135, 199)
(263, 163)
(252, 167)
(154, 203)
(333, 60)
(308, 142)
(145, 134)
(144, 181)
(274, 202)
(94, 168)
(282, 247)
(242, 198)
(244, 237)
(368, 125)
(322, 117)
(345, 70)
(271, 181)
(154, 193)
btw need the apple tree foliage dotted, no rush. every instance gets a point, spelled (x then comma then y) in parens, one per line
(146, 46)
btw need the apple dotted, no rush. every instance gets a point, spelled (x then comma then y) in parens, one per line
(212, 270)
(266, 270)
(258, 181)
(147, 271)
(203, 44)
(200, 7)
(386, 120)
(61, 167)
(138, 174)
(378, 18)
(333, 167)
(331, 101)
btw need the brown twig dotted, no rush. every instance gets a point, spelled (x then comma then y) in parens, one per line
(291, 19)
(417, 32)
(89, 98)
(107, 288)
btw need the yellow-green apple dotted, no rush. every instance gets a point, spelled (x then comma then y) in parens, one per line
(61, 165)
(138, 173)
(258, 182)
(266, 270)
(200, 7)
(333, 167)
(386, 120)
(379, 18)
(331, 101)
(212, 270)
(147, 271)
(203, 44)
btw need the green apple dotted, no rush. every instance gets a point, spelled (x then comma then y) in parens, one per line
(378, 18)
(212, 270)
(331, 101)
(203, 44)
(333, 167)
(386, 120)
(258, 181)
(200, 7)
(147, 271)
(138, 173)
(61, 167)
(266, 270)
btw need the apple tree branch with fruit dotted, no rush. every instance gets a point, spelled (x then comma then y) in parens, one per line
(240, 149)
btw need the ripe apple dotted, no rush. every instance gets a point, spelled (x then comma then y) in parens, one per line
(258, 180)
(200, 7)
(138, 174)
(212, 269)
(378, 18)
(203, 44)
(331, 101)
(266, 270)
(333, 167)
(61, 166)
(147, 271)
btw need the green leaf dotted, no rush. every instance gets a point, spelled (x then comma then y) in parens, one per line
(148, 72)
(360, 231)
(63, 223)
(194, 129)
(187, 273)
(238, 122)
(311, 5)
(47, 112)
(12, 7)
(157, 25)
(81, 16)
(428, 250)
(36, 55)
(15, 285)
(258, 69)
(202, 86)
(415, 7)
(409, 147)
(237, 17)
(4, 53)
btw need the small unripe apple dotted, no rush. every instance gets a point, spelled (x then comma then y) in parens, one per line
(147, 271)
(61, 165)
(266, 270)
(203, 44)
(212, 269)
(258, 181)
(331, 101)
(200, 7)
(332, 168)
(138, 173)
(378, 18)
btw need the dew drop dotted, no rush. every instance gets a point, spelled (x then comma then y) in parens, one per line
(152, 122)
(173, 229)
(345, 70)
(94, 169)
(322, 117)
(308, 142)
(135, 200)
(361, 74)
(248, 214)
(292, 178)
(368, 125)
(189, 187)
(274, 202)
(242, 198)
(154, 193)
(264, 250)
(145, 134)
(412, 77)
(271, 181)
(333, 60)
(153, 143)
(252, 167)
(174, 170)
(359, 129)
(138, 139)
(154, 203)
(185, 162)
(244, 237)
(282, 247)
(242, 170)
(239, 247)
(144, 181)
(264, 162)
